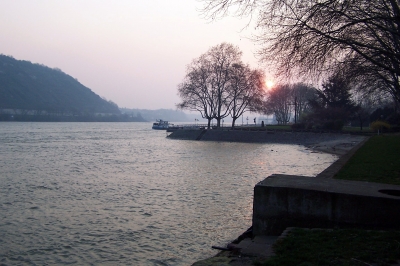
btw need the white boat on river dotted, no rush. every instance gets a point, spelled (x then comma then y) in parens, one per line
(161, 124)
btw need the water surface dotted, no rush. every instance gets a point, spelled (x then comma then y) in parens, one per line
(123, 194)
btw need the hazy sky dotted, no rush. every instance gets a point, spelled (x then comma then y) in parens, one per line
(133, 52)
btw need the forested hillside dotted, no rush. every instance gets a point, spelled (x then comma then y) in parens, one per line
(27, 88)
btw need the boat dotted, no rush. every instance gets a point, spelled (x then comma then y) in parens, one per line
(160, 124)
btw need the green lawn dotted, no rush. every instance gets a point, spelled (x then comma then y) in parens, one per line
(357, 129)
(266, 127)
(336, 247)
(278, 127)
(366, 130)
(378, 160)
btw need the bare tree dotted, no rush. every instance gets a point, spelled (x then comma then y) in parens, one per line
(279, 103)
(313, 37)
(196, 92)
(246, 90)
(222, 57)
(302, 94)
(218, 84)
(366, 103)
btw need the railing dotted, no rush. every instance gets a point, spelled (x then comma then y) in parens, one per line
(188, 126)
(225, 126)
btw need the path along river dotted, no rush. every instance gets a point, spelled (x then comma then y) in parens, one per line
(123, 194)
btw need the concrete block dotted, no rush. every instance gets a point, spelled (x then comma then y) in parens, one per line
(282, 201)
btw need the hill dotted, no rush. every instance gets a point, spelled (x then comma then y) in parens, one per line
(34, 89)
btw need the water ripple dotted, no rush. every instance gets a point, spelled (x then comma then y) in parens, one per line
(121, 193)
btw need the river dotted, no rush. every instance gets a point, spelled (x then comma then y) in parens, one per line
(124, 194)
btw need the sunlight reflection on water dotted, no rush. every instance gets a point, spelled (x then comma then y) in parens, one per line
(121, 193)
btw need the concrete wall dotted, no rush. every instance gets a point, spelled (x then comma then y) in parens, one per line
(282, 201)
(185, 134)
(301, 138)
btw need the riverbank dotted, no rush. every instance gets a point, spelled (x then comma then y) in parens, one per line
(342, 145)
(334, 143)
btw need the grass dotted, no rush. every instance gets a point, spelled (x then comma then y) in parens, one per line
(366, 130)
(356, 129)
(336, 247)
(266, 127)
(278, 127)
(378, 160)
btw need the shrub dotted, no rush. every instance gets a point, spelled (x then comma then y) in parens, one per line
(309, 126)
(333, 124)
(378, 125)
(338, 124)
(328, 125)
(298, 126)
(394, 128)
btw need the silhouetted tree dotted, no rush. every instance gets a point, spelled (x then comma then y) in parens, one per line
(386, 112)
(285, 100)
(246, 90)
(333, 105)
(218, 84)
(196, 92)
(366, 104)
(222, 57)
(312, 37)
(301, 96)
(279, 103)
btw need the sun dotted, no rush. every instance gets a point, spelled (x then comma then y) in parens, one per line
(269, 83)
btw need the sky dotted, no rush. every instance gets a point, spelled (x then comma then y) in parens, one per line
(132, 52)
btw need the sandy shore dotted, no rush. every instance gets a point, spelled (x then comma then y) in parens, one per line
(340, 145)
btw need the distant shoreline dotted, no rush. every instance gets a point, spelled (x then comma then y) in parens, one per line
(71, 118)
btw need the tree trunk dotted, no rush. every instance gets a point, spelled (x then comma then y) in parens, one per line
(233, 121)
(218, 122)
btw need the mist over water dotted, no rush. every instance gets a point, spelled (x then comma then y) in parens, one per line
(123, 194)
